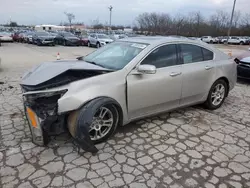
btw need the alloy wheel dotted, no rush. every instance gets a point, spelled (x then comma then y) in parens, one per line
(102, 123)
(218, 94)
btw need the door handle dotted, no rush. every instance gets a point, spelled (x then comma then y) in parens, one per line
(208, 67)
(175, 74)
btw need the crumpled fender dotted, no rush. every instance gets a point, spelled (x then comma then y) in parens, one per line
(80, 120)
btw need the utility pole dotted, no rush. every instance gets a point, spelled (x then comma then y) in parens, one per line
(231, 21)
(110, 15)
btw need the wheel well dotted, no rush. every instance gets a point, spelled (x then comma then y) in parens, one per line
(115, 103)
(119, 109)
(227, 82)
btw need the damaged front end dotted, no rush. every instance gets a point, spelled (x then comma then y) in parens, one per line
(41, 113)
(42, 88)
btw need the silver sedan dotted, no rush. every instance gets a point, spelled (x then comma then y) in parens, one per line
(121, 82)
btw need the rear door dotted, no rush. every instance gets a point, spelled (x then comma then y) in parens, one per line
(198, 73)
(154, 93)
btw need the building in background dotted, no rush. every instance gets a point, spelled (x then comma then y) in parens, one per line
(49, 28)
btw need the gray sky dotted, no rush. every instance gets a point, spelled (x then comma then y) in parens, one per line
(124, 12)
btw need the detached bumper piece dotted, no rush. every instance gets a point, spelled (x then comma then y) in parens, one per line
(41, 113)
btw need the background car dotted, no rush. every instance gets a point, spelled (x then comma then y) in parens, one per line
(15, 36)
(43, 38)
(98, 40)
(28, 37)
(238, 40)
(243, 65)
(6, 37)
(209, 39)
(84, 40)
(67, 39)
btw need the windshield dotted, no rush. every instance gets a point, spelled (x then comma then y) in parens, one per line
(116, 55)
(42, 34)
(102, 37)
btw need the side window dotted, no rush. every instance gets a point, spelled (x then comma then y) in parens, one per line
(163, 56)
(191, 53)
(207, 54)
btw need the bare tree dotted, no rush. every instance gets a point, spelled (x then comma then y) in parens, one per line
(236, 18)
(178, 23)
(192, 24)
(70, 17)
(195, 21)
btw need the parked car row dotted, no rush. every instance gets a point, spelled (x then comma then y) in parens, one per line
(61, 38)
(241, 40)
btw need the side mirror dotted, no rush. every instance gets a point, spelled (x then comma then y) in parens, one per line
(146, 69)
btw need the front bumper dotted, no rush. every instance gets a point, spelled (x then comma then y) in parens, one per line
(44, 121)
(243, 71)
(73, 42)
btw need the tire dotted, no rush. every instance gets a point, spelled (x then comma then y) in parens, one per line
(89, 45)
(64, 43)
(98, 45)
(85, 117)
(241, 42)
(210, 103)
(225, 42)
(211, 42)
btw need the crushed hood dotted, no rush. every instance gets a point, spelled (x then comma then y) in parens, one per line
(48, 70)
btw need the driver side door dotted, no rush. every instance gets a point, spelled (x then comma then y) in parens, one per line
(153, 93)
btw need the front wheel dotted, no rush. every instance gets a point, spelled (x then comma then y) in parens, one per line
(217, 95)
(99, 119)
(89, 45)
(241, 42)
(98, 45)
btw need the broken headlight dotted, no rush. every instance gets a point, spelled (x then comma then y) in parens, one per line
(44, 104)
(45, 95)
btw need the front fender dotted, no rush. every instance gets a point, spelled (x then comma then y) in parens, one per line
(73, 100)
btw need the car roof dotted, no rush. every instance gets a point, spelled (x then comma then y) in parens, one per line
(156, 39)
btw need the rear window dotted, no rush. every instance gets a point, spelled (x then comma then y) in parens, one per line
(207, 54)
(191, 53)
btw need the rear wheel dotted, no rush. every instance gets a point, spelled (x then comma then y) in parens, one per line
(217, 95)
(211, 42)
(241, 42)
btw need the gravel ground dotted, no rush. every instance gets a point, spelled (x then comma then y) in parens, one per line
(191, 147)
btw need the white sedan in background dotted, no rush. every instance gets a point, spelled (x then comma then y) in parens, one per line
(6, 37)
